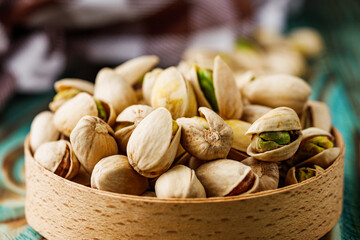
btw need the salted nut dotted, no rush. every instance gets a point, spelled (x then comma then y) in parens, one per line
(127, 121)
(59, 158)
(114, 174)
(316, 114)
(92, 139)
(296, 175)
(149, 82)
(226, 177)
(153, 144)
(179, 182)
(278, 90)
(275, 136)
(216, 89)
(172, 92)
(112, 88)
(68, 88)
(42, 130)
(206, 138)
(251, 113)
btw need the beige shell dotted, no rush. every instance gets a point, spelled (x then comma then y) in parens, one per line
(149, 82)
(59, 158)
(291, 176)
(112, 88)
(152, 148)
(202, 57)
(268, 173)
(316, 114)
(206, 144)
(132, 115)
(194, 163)
(253, 112)
(278, 119)
(278, 90)
(179, 182)
(114, 174)
(237, 155)
(241, 141)
(227, 95)
(92, 139)
(221, 177)
(307, 41)
(242, 78)
(133, 70)
(42, 130)
(174, 93)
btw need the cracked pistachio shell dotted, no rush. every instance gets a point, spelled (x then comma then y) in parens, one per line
(278, 90)
(291, 174)
(59, 158)
(316, 114)
(152, 147)
(112, 88)
(174, 93)
(227, 95)
(149, 82)
(253, 112)
(114, 174)
(307, 41)
(201, 57)
(130, 117)
(133, 70)
(278, 119)
(268, 173)
(42, 130)
(241, 140)
(92, 139)
(206, 143)
(179, 182)
(226, 177)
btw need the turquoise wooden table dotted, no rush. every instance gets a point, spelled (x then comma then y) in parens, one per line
(335, 78)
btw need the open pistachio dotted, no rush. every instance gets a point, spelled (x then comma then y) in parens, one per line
(226, 177)
(252, 112)
(149, 82)
(115, 174)
(153, 144)
(174, 93)
(59, 158)
(42, 130)
(278, 90)
(276, 135)
(316, 114)
(92, 140)
(216, 89)
(296, 175)
(179, 182)
(268, 173)
(206, 138)
(127, 121)
(133, 70)
(241, 140)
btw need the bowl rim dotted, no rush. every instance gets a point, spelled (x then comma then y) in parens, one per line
(338, 140)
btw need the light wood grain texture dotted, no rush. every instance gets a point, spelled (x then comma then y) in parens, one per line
(60, 209)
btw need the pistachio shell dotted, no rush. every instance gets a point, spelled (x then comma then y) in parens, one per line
(291, 177)
(241, 141)
(152, 148)
(307, 41)
(206, 144)
(92, 139)
(149, 82)
(237, 155)
(243, 78)
(221, 177)
(42, 130)
(316, 114)
(115, 174)
(133, 70)
(112, 88)
(110, 111)
(194, 163)
(202, 57)
(278, 90)
(179, 182)
(67, 83)
(253, 112)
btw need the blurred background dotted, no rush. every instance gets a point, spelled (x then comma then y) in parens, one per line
(42, 41)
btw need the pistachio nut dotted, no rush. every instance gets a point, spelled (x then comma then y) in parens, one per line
(226, 177)
(252, 112)
(202, 57)
(316, 114)
(127, 121)
(268, 37)
(278, 90)
(153, 144)
(268, 173)
(92, 139)
(194, 163)
(174, 93)
(112, 88)
(59, 158)
(206, 138)
(248, 55)
(242, 78)
(307, 41)
(179, 182)
(149, 82)
(133, 70)
(296, 175)
(217, 89)
(114, 174)
(241, 140)
(276, 135)
(42, 130)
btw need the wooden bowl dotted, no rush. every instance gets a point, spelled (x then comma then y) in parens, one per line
(60, 209)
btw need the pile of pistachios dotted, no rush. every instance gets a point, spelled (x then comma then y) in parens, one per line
(187, 131)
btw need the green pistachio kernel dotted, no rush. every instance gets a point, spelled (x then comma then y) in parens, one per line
(244, 44)
(175, 127)
(311, 147)
(263, 146)
(271, 140)
(66, 94)
(202, 122)
(101, 110)
(122, 125)
(306, 172)
(207, 87)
